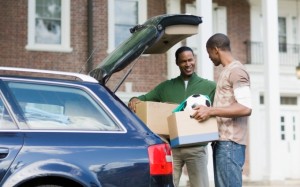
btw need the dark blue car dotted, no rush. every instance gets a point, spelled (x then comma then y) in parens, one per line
(62, 129)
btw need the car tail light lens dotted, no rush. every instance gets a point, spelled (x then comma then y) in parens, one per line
(160, 159)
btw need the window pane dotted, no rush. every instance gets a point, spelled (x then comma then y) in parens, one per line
(48, 22)
(282, 26)
(5, 119)
(48, 9)
(122, 33)
(261, 100)
(282, 34)
(47, 32)
(126, 12)
(126, 16)
(288, 100)
(56, 107)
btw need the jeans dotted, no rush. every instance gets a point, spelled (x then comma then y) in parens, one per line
(196, 159)
(228, 161)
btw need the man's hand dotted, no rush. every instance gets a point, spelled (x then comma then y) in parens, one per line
(132, 103)
(202, 113)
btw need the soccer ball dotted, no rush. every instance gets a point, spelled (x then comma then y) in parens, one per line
(195, 100)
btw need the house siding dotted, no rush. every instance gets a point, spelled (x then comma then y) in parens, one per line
(14, 39)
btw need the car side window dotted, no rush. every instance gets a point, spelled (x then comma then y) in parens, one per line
(60, 107)
(6, 121)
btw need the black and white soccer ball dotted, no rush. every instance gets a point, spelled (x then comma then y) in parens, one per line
(195, 100)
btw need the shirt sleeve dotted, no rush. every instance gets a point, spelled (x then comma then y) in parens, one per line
(241, 86)
(239, 78)
(243, 96)
(153, 95)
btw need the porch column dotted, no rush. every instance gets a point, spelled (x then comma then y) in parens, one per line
(272, 96)
(205, 67)
(172, 7)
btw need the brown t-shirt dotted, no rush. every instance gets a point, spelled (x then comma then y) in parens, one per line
(233, 76)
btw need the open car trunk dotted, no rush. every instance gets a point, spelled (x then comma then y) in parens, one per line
(157, 35)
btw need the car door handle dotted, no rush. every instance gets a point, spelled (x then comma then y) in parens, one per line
(3, 152)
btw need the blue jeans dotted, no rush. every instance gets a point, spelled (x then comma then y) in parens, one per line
(228, 160)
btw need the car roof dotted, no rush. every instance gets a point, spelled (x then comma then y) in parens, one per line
(155, 36)
(10, 71)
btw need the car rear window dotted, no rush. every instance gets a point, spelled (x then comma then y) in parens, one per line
(60, 107)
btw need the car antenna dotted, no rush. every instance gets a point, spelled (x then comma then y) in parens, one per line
(92, 54)
(127, 73)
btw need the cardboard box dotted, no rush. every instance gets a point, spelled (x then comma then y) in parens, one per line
(155, 114)
(186, 131)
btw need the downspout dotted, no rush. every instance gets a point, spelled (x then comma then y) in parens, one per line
(89, 66)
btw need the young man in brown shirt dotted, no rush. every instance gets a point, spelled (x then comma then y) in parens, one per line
(232, 106)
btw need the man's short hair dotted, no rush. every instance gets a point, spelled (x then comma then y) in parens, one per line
(218, 40)
(182, 49)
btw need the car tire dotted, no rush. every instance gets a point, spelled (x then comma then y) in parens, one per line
(49, 185)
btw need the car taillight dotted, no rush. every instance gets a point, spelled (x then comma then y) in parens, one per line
(160, 159)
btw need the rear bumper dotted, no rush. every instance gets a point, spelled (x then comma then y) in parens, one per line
(162, 181)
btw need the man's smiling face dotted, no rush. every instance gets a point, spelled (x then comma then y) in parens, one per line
(186, 63)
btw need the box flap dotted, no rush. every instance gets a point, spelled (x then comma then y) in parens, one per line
(141, 111)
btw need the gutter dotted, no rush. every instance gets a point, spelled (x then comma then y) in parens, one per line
(90, 38)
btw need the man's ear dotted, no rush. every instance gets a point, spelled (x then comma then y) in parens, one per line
(217, 50)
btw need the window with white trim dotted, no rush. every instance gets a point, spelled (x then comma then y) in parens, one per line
(49, 25)
(220, 19)
(219, 22)
(123, 15)
(282, 34)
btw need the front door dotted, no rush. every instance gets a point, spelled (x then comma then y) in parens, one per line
(290, 136)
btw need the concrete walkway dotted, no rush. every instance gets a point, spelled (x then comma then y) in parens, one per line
(286, 183)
